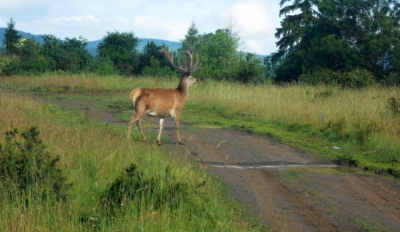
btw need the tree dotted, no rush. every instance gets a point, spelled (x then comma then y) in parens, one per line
(217, 52)
(53, 50)
(191, 40)
(339, 35)
(120, 47)
(152, 51)
(249, 69)
(293, 26)
(11, 38)
(76, 54)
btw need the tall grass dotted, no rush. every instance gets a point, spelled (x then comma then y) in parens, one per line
(94, 155)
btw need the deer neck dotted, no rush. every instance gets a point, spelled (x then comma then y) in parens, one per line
(183, 86)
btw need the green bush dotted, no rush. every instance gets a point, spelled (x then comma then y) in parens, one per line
(27, 169)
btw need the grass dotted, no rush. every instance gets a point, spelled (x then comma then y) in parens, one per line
(364, 123)
(94, 156)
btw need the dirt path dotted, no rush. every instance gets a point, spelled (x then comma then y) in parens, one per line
(289, 189)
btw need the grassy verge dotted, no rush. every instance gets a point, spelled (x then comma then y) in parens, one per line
(115, 184)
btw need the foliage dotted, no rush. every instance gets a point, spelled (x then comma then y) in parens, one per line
(28, 168)
(217, 52)
(120, 47)
(249, 69)
(152, 57)
(155, 69)
(52, 55)
(192, 39)
(353, 79)
(156, 193)
(101, 66)
(11, 38)
(341, 36)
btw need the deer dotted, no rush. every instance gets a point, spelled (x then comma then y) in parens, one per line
(162, 103)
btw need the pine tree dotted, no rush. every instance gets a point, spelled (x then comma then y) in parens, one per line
(11, 38)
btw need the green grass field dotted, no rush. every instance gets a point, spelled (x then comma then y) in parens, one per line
(364, 124)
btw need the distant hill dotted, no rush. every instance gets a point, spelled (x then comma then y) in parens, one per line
(92, 45)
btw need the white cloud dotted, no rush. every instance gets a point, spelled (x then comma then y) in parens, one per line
(75, 18)
(255, 23)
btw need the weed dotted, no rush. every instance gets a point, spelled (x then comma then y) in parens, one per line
(393, 106)
(290, 175)
(324, 94)
(363, 132)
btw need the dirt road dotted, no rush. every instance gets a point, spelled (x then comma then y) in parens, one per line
(289, 189)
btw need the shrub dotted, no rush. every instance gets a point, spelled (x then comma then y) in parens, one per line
(27, 169)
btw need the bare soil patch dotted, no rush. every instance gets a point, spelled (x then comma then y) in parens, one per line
(286, 188)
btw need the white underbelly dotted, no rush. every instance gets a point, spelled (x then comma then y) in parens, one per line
(155, 113)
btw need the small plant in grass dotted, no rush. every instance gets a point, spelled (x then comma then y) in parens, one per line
(393, 106)
(363, 132)
(26, 168)
(324, 94)
(156, 193)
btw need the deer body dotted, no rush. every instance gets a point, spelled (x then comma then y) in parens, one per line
(162, 103)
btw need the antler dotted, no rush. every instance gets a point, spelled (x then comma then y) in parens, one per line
(190, 67)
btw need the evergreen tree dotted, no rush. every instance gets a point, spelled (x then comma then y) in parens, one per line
(341, 36)
(192, 38)
(11, 38)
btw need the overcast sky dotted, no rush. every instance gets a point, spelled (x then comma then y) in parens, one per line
(254, 20)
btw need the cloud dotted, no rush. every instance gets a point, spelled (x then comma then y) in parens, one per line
(78, 19)
(252, 17)
(255, 22)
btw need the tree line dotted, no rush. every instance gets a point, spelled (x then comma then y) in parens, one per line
(353, 43)
(117, 54)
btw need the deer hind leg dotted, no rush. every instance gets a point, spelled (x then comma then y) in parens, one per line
(138, 119)
(161, 128)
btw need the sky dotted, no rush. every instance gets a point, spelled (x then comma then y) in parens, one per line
(254, 21)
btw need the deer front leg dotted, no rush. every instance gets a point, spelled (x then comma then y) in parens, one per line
(161, 128)
(177, 129)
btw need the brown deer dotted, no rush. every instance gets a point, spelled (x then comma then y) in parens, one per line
(164, 102)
